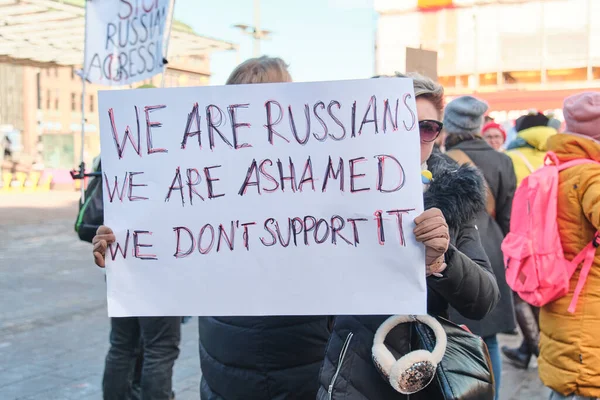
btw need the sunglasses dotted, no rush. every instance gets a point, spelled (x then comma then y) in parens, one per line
(430, 129)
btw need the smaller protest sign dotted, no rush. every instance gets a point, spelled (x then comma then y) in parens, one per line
(125, 40)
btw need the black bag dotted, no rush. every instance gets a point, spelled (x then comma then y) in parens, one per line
(91, 211)
(465, 372)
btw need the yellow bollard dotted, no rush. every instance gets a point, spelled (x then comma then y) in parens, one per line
(45, 186)
(32, 182)
(19, 182)
(6, 181)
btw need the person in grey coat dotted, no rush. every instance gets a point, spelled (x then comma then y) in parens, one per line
(463, 120)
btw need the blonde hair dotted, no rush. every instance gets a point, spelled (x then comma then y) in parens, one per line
(424, 88)
(260, 70)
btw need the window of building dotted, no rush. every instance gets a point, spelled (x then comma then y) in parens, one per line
(47, 71)
(48, 99)
(72, 73)
(182, 80)
(524, 77)
(566, 75)
(447, 81)
(73, 102)
(56, 72)
(92, 105)
(488, 79)
(462, 81)
(56, 100)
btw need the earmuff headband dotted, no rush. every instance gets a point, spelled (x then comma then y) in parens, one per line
(414, 371)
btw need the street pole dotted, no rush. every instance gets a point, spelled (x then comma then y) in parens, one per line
(83, 79)
(254, 31)
(166, 50)
(590, 69)
(544, 70)
(257, 32)
(475, 50)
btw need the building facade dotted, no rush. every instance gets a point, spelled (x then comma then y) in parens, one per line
(516, 54)
(40, 108)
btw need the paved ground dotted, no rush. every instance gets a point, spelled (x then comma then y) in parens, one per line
(53, 323)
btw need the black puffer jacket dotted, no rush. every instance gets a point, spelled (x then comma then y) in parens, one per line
(498, 170)
(468, 285)
(262, 358)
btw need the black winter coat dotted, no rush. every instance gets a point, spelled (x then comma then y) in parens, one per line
(467, 284)
(498, 170)
(262, 358)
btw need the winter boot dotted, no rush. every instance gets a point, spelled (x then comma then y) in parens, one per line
(527, 320)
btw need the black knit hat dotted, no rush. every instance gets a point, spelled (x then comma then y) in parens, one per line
(534, 118)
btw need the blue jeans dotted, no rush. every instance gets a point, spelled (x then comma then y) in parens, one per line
(557, 396)
(159, 337)
(494, 350)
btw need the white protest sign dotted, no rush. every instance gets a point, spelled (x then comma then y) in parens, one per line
(274, 199)
(124, 40)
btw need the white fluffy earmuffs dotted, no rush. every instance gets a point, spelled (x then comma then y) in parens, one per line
(416, 370)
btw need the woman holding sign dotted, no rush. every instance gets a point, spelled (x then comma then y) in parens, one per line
(458, 271)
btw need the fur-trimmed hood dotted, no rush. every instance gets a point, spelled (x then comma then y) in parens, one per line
(458, 191)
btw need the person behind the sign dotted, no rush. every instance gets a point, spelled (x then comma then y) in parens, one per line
(246, 358)
(143, 350)
(463, 120)
(457, 269)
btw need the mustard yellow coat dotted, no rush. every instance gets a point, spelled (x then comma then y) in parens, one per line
(537, 137)
(570, 343)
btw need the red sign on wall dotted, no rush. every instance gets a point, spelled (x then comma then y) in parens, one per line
(427, 5)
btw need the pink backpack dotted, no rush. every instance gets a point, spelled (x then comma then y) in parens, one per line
(536, 268)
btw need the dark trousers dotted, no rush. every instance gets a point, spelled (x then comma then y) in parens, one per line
(158, 338)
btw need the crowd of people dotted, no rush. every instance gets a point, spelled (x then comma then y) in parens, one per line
(468, 214)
